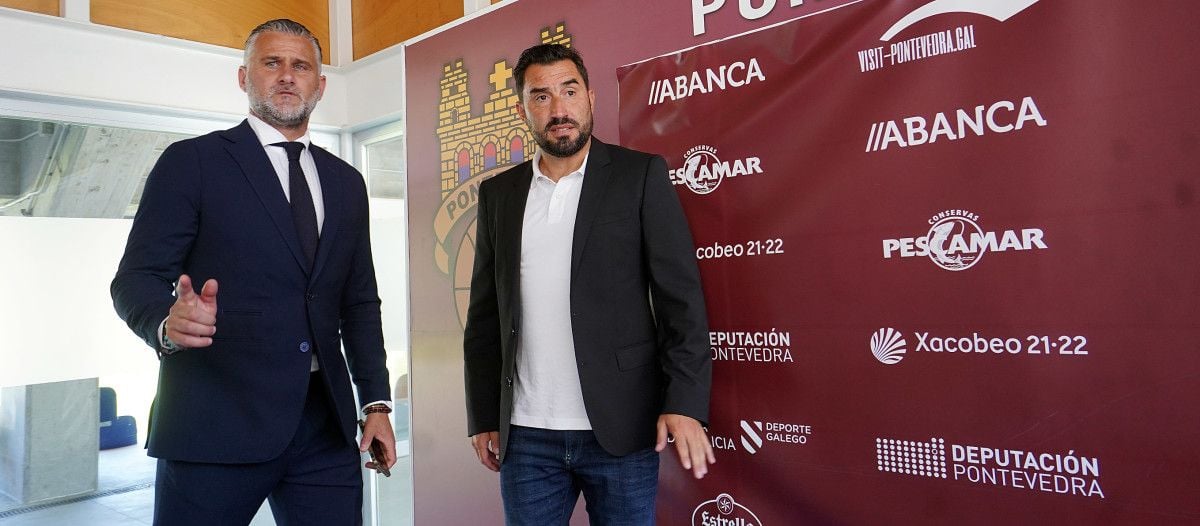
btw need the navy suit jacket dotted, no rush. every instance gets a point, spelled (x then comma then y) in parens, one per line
(637, 310)
(213, 208)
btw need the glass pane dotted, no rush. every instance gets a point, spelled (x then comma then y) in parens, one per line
(384, 162)
(58, 169)
(383, 166)
(73, 410)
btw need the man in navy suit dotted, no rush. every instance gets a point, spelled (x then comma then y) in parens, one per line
(586, 342)
(254, 392)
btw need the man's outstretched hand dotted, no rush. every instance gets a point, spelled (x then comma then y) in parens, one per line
(193, 318)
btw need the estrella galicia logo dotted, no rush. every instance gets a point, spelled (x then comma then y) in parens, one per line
(723, 511)
(888, 346)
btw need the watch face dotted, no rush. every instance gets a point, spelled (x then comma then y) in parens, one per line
(167, 345)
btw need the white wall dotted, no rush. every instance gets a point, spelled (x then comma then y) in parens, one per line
(54, 56)
(375, 88)
(56, 316)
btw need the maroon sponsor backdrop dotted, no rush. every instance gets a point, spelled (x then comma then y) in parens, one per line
(824, 176)
(1066, 382)
(455, 104)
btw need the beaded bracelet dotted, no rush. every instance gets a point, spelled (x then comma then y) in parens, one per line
(377, 408)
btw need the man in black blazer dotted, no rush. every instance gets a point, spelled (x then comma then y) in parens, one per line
(586, 341)
(254, 399)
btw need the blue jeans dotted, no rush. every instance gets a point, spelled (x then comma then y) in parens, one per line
(544, 471)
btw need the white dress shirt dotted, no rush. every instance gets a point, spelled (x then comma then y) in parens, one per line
(268, 135)
(546, 392)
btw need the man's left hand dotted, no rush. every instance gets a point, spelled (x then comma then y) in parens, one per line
(379, 427)
(695, 452)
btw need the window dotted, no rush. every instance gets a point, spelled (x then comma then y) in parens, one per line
(380, 156)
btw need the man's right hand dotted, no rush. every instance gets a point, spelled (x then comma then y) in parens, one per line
(487, 448)
(193, 318)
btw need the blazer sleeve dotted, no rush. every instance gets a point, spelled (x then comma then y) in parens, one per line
(676, 297)
(361, 318)
(161, 237)
(482, 356)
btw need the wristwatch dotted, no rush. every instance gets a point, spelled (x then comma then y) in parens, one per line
(167, 346)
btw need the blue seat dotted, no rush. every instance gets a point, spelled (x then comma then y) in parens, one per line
(115, 431)
(108, 404)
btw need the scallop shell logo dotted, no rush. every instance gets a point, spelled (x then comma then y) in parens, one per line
(888, 345)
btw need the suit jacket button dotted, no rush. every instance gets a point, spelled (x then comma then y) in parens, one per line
(304, 346)
(514, 332)
(508, 381)
(310, 296)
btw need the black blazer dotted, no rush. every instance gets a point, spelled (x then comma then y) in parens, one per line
(213, 208)
(637, 309)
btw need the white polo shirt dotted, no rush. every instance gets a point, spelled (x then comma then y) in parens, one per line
(546, 391)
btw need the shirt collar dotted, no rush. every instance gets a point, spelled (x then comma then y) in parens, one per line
(537, 171)
(268, 135)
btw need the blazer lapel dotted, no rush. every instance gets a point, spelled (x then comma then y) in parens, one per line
(244, 147)
(331, 194)
(595, 180)
(511, 219)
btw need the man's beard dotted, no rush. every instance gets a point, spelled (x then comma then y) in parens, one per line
(562, 147)
(280, 117)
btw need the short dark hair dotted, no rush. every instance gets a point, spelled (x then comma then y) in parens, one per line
(286, 26)
(543, 54)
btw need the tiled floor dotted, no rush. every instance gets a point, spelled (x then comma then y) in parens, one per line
(129, 467)
(132, 508)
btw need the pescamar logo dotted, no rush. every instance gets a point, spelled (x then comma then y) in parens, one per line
(703, 171)
(956, 242)
(938, 43)
(723, 511)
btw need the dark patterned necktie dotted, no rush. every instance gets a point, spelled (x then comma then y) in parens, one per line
(304, 215)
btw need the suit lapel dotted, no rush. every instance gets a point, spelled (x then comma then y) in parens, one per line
(245, 149)
(327, 172)
(511, 218)
(595, 180)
